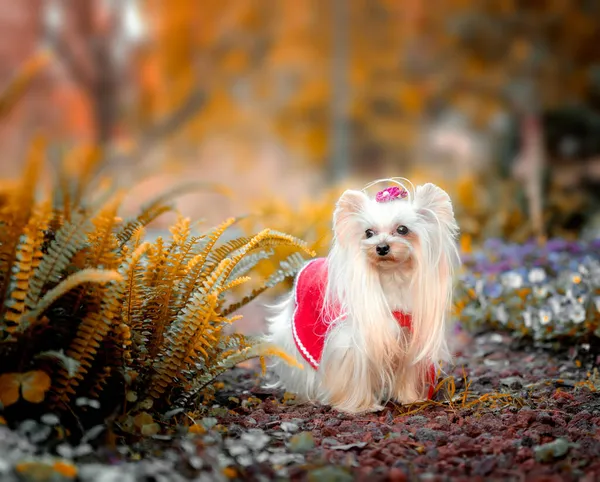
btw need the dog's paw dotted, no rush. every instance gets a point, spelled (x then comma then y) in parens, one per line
(375, 408)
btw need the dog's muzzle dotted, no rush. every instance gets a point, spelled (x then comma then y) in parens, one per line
(382, 249)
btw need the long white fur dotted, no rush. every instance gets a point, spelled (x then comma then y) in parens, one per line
(367, 358)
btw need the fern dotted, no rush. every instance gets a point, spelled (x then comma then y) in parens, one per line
(146, 216)
(90, 334)
(89, 275)
(28, 256)
(16, 214)
(70, 238)
(96, 306)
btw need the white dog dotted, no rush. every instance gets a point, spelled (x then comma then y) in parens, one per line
(369, 322)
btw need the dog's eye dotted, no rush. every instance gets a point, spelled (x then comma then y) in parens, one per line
(369, 233)
(402, 230)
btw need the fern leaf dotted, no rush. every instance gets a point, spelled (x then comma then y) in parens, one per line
(91, 332)
(235, 283)
(288, 268)
(89, 275)
(146, 216)
(254, 350)
(102, 242)
(70, 238)
(184, 188)
(132, 273)
(268, 238)
(88, 159)
(16, 214)
(195, 266)
(244, 301)
(21, 82)
(249, 262)
(28, 257)
(182, 343)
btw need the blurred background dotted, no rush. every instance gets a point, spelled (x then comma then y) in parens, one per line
(286, 101)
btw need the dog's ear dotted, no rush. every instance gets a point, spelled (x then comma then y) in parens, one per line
(348, 206)
(433, 202)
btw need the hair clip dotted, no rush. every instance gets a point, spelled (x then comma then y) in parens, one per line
(390, 194)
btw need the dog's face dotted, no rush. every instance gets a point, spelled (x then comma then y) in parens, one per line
(389, 233)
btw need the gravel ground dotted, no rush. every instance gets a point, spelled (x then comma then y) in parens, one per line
(522, 415)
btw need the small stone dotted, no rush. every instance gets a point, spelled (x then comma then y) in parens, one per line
(208, 422)
(329, 441)
(289, 427)
(428, 435)
(302, 442)
(285, 459)
(417, 420)
(104, 473)
(357, 445)
(329, 474)
(255, 439)
(552, 450)
(50, 419)
(513, 383)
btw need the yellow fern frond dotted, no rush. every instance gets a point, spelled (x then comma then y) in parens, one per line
(102, 241)
(22, 80)
(70, 238)
(85, 162)
(17, 212)
(91, 332)
(28, 256)
(185, 338)
(268, 238)
(235, 283)
(233, 307)
(133, 294)
(194, 270)
(180, 231)
(89, 275)
(147, 215)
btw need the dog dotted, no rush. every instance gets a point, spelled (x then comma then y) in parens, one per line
(369, 323)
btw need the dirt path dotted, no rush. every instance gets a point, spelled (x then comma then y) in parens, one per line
(525, 416)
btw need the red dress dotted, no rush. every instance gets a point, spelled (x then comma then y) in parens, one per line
(308, 324)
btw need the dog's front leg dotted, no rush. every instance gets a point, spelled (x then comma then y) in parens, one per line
(347, 382)
(409, 386)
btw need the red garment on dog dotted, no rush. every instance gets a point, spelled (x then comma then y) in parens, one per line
(308, 325)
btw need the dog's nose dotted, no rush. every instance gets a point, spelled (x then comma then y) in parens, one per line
(382, 249)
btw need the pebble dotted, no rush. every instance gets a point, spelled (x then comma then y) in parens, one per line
(302, 442)
(552, 450)
(330, 474)
(429, 435)
(514, 383)
(289, 427)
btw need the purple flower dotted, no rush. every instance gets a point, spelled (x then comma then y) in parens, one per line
(390, 194)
